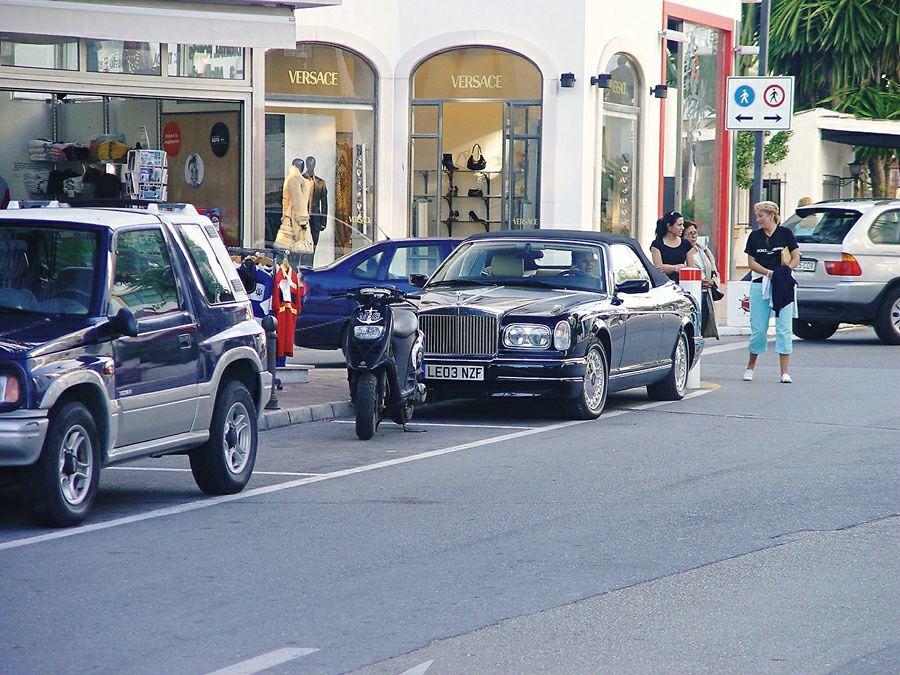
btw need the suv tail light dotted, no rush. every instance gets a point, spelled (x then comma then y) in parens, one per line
(847, 267)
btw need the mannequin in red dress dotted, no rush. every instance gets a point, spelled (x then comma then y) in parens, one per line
(286, 305)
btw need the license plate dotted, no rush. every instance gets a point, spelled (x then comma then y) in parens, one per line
(454, 372)
(807, 266)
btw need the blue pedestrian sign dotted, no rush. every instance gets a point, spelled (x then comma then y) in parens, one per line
(744, 96)
(759, 103)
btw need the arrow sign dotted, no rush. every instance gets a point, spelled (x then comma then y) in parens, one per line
(777, 118)
(741, 118)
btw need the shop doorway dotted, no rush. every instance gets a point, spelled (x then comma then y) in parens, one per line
(475, 147)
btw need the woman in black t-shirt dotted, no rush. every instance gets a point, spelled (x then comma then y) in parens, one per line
(669, 251)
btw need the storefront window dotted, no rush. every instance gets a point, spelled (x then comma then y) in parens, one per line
(475, 146)
(621, 123)
(116, 56)
(320, 128)
(38, 51)
(210, 61)
(75, 148)
(691, 141)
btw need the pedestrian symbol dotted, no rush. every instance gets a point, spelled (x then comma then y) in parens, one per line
(773, 95)
(744, 96)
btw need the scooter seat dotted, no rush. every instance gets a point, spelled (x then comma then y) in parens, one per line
(405, 323)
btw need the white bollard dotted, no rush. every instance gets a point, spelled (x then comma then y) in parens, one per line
(691, 280)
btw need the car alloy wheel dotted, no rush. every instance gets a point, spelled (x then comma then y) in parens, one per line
(237, 439)
(895, 316)
(681, 364)
(594, 380)
(76, 465)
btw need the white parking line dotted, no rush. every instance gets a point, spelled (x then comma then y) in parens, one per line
(265, 661)
(449, 424)
(420, 669)
(168, 468)
(257, 492)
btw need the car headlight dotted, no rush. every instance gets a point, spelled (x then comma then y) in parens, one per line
(11, 390)
(526, 336)
(368, 332)
(562, 336)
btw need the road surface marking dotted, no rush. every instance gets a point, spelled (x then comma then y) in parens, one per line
(449, 424)
(286, 485)
(169, 468)
(265, 661)
(419, 669)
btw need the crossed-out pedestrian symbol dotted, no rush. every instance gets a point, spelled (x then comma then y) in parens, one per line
(773, 95)
(744, 95)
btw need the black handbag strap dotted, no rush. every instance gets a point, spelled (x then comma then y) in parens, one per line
(477, 145)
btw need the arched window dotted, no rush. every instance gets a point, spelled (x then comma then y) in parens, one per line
(320, 104)
(621, 130)
(483, 103)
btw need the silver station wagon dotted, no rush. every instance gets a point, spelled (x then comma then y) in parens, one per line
(849, 269)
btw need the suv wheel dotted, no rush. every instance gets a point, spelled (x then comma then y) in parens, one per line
(60, 488)
(223, 465)
(887, 324)
(814, 330)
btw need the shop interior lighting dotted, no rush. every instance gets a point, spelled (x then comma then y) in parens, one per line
(567, 80)
(673, 35)
(747, 50)
(602, 80)
(660, 91)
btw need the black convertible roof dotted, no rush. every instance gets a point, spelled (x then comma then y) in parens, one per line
(585, 236)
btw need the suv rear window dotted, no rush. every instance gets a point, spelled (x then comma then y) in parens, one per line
(822, 225)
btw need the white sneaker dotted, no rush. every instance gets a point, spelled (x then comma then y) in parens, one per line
(786, 379)
(748, 376)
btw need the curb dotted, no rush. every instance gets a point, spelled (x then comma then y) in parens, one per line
(285, 417)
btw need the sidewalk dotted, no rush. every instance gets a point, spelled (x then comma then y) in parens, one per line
(325, 396)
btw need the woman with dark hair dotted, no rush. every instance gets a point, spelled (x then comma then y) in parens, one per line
(669, 251)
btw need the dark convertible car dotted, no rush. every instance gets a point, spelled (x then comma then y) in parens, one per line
(565, 314)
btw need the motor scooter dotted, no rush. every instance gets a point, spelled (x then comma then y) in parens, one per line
(384, 348)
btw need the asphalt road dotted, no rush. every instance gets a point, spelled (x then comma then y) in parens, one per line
(751, 527)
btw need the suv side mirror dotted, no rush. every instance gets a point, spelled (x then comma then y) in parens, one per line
(418, 280)
(633, 286)
(124, 323)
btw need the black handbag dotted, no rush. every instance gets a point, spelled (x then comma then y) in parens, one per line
(476, 192)
(476, 164)
(715, 292)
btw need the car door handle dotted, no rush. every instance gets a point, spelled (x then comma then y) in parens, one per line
(185, 341)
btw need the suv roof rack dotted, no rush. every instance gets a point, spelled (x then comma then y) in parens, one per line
(153, 207)
(37, 204)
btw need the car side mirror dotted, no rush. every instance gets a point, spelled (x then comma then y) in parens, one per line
(633, 286)
(418, 280)
(124, 323)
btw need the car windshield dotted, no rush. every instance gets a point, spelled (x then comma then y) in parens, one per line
(822, 225)
(537, 264)
(47, 270)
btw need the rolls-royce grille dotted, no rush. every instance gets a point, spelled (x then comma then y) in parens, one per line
(450, 334)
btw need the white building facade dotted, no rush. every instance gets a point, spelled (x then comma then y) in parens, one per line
(392, 98)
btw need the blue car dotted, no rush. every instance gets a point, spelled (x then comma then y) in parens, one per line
(322, 320)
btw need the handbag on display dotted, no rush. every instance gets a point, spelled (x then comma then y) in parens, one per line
(447, 162)
(289, 238)
(476, 164)
(476, 192)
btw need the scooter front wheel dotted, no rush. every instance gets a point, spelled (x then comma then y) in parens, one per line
(366, 403)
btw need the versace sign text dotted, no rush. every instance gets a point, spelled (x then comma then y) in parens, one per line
(477, 81)
(314, 77)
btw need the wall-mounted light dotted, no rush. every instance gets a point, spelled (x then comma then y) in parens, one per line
(567, 80)
(855, 169)
(660, 91)
(747, 50)
(673, 35)
(602, 80)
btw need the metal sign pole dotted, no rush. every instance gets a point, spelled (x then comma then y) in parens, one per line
(756, 192)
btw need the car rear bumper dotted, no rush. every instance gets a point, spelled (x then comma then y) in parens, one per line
(22, 437)
(557, 378)
(851, 302)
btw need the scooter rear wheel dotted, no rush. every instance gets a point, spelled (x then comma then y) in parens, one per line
(366, 403)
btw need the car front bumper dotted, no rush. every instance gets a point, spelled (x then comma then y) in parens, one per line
(511, 376)
(849, 301)
(22, 435)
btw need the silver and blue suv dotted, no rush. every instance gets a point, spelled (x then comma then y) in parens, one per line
(849, 269)
(123, 334)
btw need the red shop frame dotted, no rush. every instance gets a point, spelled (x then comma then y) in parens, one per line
(672, 10)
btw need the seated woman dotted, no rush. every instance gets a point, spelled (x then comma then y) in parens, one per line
(669, 251)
